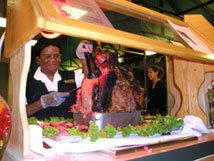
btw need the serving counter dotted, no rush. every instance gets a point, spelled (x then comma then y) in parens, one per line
(186, 150)
(186, 72)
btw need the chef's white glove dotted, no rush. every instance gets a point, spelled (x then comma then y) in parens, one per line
(84, 47)
(53, 99)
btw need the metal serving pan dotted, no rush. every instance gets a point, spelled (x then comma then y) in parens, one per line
(120, 119)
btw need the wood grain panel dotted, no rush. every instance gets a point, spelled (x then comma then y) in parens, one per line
(19, 66)
(189, 77)
(22, 19)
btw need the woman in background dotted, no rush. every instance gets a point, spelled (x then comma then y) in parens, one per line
(157, 97)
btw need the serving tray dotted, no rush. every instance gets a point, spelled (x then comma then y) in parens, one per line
(120, 119)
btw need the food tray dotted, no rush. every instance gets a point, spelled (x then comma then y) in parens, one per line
(120, 119)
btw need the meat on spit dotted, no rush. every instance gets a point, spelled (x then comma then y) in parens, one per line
(114, 90)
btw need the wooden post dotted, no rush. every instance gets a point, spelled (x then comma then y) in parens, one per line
(18, 145)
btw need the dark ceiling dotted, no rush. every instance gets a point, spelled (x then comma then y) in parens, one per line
(178, 8)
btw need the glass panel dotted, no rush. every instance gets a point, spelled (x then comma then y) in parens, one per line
(88, 11)
(105, 15)
(141, 27)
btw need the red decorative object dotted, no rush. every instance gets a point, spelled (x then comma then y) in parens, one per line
(5, 125)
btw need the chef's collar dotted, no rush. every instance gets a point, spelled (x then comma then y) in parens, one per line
(50, 85)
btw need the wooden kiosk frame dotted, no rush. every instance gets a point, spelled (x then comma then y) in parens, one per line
(26, 19)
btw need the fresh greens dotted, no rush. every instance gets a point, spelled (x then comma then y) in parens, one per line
(73, 131)
(108, 132)
(159, 125)
(128, 130)
(49, 131)
(32, 120)
(57, 119)
(93, 131)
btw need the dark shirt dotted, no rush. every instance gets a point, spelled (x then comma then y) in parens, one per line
(157, 99)
(35, 89)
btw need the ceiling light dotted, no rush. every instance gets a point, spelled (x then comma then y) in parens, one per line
(211, 56)
(50, 35)
(3, 22)
(148, 53)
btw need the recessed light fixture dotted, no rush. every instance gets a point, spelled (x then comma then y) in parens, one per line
(147, 52)
(3, 22)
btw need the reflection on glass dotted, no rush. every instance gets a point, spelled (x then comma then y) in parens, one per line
(88, 11)
(116, 17)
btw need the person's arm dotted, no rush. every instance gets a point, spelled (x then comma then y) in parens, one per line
(33, 107)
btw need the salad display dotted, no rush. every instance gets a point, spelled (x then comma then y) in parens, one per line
(59, 127)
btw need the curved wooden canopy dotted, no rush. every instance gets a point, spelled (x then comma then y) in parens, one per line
(26, 19)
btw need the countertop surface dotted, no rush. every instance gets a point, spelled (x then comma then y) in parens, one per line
(205, 144)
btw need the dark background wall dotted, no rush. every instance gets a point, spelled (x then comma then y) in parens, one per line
(4, 74)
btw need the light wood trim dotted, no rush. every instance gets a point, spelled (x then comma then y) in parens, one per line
(47, 18)
(90, 31)
(108, 35)
(202, 28)
(23, 21)
(19, 66)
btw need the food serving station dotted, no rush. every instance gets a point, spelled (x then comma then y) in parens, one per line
(27, 19)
